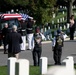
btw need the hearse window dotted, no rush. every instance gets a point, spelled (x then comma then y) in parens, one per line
(13, 22)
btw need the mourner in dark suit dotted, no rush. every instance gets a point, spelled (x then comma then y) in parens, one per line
(14, 40)
(72, 27)
(37, 48)
(5, 31)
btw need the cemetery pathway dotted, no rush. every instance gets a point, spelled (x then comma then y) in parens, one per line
(68, 49)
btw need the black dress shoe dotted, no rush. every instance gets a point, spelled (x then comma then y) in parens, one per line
(55, 64)
(5, 52)
(28, 49)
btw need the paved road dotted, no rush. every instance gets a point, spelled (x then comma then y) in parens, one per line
(69, 49)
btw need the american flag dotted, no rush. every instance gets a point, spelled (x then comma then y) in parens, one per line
(19, 16)
(8, 16)
(25, 16)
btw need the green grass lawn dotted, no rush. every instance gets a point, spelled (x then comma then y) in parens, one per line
(3, 70)
(34, 70)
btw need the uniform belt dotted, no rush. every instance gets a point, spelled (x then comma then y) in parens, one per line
(29, 28)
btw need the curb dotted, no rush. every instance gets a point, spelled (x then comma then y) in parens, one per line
(44, 42)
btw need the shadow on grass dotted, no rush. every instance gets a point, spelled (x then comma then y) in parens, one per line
(75, 65)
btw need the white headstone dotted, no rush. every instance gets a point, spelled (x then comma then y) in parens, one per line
(61, 7)
(57, 20)
(54, 15)
(65, 7)
(63, 12)
(22, 67)
(69, 63)
(12, 11)
(49, 27)
(60, 19)
(11, 65)
(70, 58)
(60, 28)
(42, 30)
(8, 12)
(52, 22)
(43, 65)
(74, 6)
(63, 18)
(64, 27)
(45, 29)
(54, 26)
(68, 25)
(17, 10)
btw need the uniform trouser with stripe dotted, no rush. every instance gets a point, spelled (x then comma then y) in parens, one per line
(30, 39)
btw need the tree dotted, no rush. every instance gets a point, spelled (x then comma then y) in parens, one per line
(41, 10)
(7, 5)
(69, 8)
(68, 4)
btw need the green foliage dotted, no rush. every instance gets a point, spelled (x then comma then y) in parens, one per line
(46, 15)
(17, 2)
(41, 10)
(22, 3)
(10, 2)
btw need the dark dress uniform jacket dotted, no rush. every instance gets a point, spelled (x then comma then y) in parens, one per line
(29, 27)
(14, 40)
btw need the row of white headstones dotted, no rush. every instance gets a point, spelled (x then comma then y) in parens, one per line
(21, 67)
(59, 27)
(64, 7)
(63, 12)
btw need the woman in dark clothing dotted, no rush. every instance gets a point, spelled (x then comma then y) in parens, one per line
(14, 40)
(37, 51)
(72, 27)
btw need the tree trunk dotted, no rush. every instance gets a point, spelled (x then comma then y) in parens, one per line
(69, 10)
